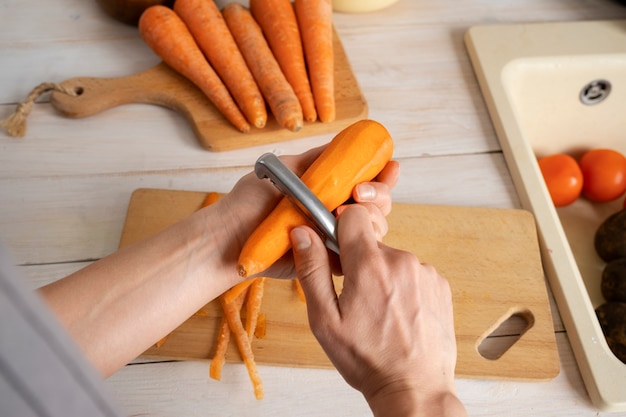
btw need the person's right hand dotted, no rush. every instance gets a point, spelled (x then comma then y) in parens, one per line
(390, 332)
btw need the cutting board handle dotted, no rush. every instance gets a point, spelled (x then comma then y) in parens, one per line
(95, 95)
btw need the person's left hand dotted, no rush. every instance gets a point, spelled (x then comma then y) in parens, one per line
(251, 200)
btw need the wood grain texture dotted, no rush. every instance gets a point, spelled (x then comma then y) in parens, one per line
(162, 86)
(490, 256)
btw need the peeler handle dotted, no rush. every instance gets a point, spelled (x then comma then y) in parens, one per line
(288, 183)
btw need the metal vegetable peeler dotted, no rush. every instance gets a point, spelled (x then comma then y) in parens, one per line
(288, 183)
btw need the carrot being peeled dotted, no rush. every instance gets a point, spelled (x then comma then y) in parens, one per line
(206, 24)
(357, 154)
(315, 24)
(280, 27)
(168, 36)
(264, 67)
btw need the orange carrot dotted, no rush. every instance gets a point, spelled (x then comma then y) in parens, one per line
(278, 21)
(243, 343)
(315, 23)
(167, 35)
(223, 337)
(357, 154)
(253, 305)
(266, 71)
(206, 24)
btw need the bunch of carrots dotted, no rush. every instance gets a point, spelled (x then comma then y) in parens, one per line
(275, 54)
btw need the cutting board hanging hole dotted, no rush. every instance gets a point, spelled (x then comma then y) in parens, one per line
(15, 124)
(504, 335)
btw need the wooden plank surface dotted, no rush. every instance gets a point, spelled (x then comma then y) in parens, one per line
(490, 256)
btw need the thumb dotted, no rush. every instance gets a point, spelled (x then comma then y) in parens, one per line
(314, 272)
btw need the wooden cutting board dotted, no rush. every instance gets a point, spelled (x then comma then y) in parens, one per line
(490, 257)
(162, 86)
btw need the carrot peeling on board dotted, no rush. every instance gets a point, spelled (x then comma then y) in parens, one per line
(277, 91)
(161, 341)
(315, 24)
(168, 36)
(206, 24)
(237, 329)
(253, 305)
(261, 326)
(223, 337)
(219, 357)
(233, 293)
(278, 21)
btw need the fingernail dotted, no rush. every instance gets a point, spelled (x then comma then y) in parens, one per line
(300, 239)
(366, 192)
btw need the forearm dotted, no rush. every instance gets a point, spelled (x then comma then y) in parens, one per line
(120, 305)
(411, 403)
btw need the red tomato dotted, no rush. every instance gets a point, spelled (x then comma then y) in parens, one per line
(563, 178)
(604, 174)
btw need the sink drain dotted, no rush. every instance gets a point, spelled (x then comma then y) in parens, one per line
(595, 92)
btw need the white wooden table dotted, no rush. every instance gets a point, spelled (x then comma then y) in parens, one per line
(64, 188)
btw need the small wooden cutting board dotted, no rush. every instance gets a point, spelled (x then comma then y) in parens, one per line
(163, 86)
(490, 257)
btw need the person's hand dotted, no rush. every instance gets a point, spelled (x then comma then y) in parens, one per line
(251, 200)
(390, 332)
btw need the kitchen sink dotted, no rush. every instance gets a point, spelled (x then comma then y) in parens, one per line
(561, 88)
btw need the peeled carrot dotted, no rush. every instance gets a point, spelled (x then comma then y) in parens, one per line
(167, 35)
(206, 24)
(266, 71)
(357, 154)
(315, 23)
(278, 21)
